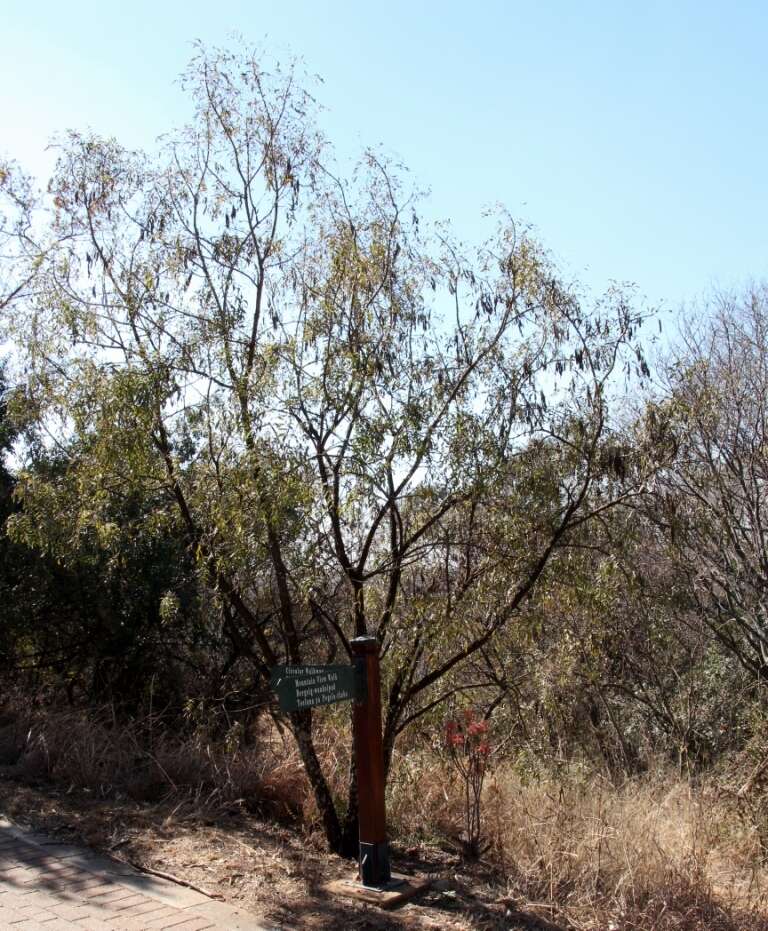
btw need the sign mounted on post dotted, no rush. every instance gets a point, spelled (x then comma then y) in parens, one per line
(300, 687)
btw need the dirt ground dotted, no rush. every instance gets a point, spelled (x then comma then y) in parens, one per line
(272, 870)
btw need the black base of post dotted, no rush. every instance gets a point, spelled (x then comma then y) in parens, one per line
(374, 864)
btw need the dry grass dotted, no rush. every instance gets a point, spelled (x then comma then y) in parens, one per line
(145, 761)
(652, 854)
(655, 853)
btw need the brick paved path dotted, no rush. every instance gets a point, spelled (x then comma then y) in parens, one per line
(49, 886)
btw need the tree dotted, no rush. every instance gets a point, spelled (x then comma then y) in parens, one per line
(711, 498)
(99, 616)
(19, 249)
(360, 428)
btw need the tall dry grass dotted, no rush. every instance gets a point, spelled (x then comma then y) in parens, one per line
(653, 853)
(146, 760)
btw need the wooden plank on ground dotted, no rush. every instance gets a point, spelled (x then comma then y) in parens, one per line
(396, 893)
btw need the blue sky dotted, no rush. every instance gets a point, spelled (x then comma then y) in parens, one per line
(633, 136)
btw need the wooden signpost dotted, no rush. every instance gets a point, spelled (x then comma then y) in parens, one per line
(369, 762)
(300, 687)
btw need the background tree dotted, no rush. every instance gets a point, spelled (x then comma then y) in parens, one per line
(19, 247)
(101, 609)
(711, 500)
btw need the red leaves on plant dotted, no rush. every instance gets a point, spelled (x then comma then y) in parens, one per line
(469, 750)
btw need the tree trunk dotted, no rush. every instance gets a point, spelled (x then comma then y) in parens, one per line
(388, 738)
(301, 724)
(351, 834)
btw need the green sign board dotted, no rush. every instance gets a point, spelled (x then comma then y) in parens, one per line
(300, 687)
